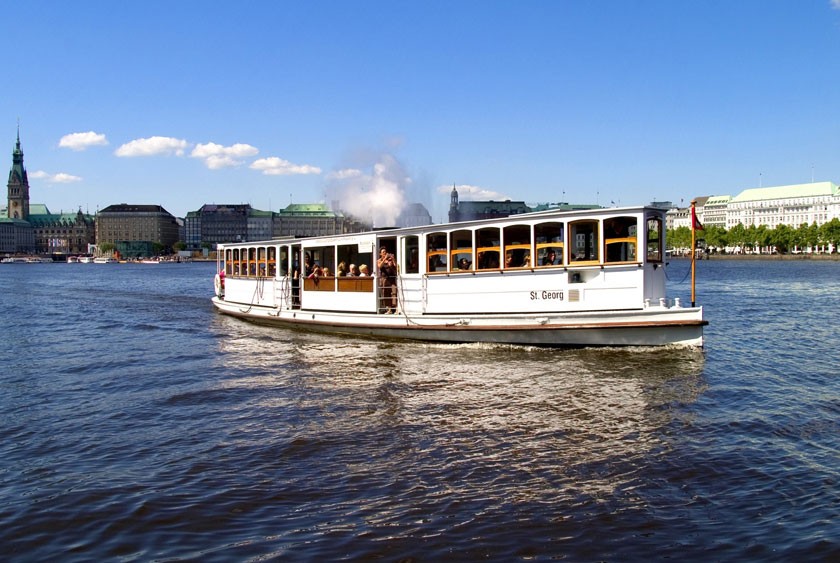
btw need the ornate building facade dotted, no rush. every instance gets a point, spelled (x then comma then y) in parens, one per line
(30, 227)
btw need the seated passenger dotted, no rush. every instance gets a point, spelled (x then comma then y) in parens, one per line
(526, 262)
(353, 271)
(326, 272)
(549, 258)
(342, 270)
(463, 264)
(316, 272)
(363, 270)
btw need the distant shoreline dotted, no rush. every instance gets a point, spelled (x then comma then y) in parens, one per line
(829, 257)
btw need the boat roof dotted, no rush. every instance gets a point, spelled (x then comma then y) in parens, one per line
(351, 238)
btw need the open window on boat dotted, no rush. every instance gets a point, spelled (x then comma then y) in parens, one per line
(488, 249)
(653, 239)
(436, 253)
(283, 261)
(271, 261)
(461, 251)
(410, 254)
(620, 239)
(252, 262)
(549, 243)
(517, 242)
(262, 262)
(583, 242)
(228, 261)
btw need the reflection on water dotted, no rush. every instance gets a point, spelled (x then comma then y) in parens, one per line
(599, 411)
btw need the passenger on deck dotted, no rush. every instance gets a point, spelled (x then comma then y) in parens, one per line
(526, 262)
(315, 272)
(387, 267)
(508, 259)
(326, 272)
(342, 270)
(353, 271)
(307, 265)
(363, 270)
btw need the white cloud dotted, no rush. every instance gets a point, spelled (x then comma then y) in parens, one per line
(153, 146)
(835, 4)
(82, 141)
(344, 174)
(473, 193)
(273, 166)
(60, 178)
(218, 156)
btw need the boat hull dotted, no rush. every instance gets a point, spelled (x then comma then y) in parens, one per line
(645, 327)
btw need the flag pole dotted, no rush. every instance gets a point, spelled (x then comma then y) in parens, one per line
(693, 248)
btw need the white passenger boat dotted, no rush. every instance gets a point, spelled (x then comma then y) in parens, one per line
(573, 278)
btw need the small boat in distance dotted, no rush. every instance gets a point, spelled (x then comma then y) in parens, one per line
(552, 278)
(105, 260)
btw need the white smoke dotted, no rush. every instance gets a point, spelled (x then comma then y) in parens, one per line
(375, 193)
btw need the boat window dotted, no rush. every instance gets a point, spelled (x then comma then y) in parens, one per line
(411, 255)
(461, 250)
(620, 239)
(283, 262)
(488, 248)
(517, 241)
(583, 241)
(272, 261)
(228, 262)
(549, 243)
(654, 239)
(324, 256)
(437, 254)
(262, 262)
(237, 262)
(252, 262)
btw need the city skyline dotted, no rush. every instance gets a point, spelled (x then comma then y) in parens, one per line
(382, 104)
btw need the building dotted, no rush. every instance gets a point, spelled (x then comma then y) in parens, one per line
(312, 219)
(714, 211)
(792, 205)
(681, 216)
(470, 210)
(218, 223)
(136, 230)
(414, 215)
(16, 233)
(30, 227)
(62, 233)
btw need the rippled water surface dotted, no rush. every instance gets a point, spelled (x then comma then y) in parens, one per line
(137, 424)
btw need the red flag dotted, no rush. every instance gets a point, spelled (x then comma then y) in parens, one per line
(696, 225)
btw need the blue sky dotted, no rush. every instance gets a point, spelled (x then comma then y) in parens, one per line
(375, 104)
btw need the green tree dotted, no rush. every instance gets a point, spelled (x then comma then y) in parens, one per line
(679, 237)
(782, 238)
(738, 236)
(715, 236)
(830, 233)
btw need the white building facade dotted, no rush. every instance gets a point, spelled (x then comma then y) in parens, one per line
(817, 202)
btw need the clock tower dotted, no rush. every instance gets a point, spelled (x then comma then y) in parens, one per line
(18, 185)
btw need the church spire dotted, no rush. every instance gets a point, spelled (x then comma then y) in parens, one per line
(18, 185)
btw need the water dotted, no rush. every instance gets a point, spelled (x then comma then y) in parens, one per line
(136, 424)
